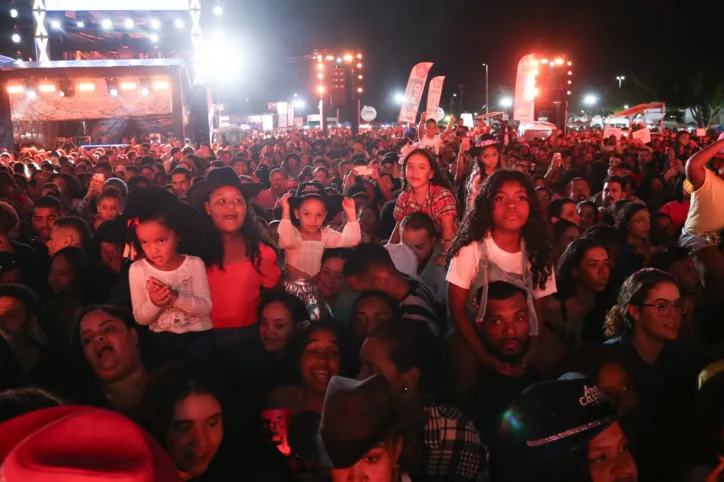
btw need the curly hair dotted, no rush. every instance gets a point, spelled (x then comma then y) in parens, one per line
(625, 214)
(478, 223)
(633, 292)
(437, 177)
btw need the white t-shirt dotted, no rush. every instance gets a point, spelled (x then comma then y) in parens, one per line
(431, 143)
(193, 306)
(464, 266)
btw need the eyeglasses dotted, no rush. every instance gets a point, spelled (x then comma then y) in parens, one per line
(641, 220)
(665, 307)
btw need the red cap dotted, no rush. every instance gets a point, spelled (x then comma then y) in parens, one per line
(80, 444)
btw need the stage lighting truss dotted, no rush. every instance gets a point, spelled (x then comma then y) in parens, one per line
(194, 9)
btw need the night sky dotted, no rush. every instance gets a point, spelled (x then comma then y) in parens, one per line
(658, 45)
(655, 44)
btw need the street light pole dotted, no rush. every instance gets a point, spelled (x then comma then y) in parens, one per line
(487, 102)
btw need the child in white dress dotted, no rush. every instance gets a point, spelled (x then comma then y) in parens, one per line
(305, 240)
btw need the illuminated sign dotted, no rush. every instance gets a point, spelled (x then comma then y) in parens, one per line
(118, 5)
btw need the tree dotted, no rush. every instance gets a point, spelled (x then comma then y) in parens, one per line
(706, 98)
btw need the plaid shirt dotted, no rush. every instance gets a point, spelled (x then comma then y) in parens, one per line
(438, 203)
(452, 447)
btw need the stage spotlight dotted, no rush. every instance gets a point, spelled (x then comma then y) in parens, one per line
(154, 37)
(80, 24)
(61, 93)
(86, 87)
(15, 89)
(15, 38)
(179, 23)
(106, 23)
(160, 84)
(46, 88)
(32, 94)
(155, 23)
(55, 24)
(113, 92)
(218, 10)
(129, 23)
(144, 91)
(128, 85)
(13, 13)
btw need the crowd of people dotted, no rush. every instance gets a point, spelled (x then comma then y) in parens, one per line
(425, 304)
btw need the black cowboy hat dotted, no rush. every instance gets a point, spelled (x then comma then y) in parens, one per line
(357, 416)
(553, 418)
(216, 178)
(316, 190)
(488, 140)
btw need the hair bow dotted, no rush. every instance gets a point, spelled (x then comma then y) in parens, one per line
(406, 150)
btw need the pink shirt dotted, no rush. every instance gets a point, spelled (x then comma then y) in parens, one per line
(235, 289)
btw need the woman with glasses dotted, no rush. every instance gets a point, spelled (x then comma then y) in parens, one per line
(644, 326)
(633, 222)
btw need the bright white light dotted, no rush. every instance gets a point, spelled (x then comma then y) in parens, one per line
(61, 93)
(217, 10)
(55, 24)
(225, 66)
(144, 91)
(15, 38)
(590, 99)
(339, 60)
(155, 23)
(298, 103)
(399, 98)
(128, 23)
(114, 92)
(218, 35)
(80, 24)
(295, 94)
(625, 106)
(506, 102)
(32, 94)
(13, 13)
(154, 37)
(106, 23)
(179, 23)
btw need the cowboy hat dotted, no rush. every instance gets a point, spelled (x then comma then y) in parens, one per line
(316, 190)
(73, 443)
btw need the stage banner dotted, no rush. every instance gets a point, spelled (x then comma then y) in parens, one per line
(413, 93)
(434, 91)
(524, 108)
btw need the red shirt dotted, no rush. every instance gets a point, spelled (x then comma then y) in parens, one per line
(438, 202)
(235, 289)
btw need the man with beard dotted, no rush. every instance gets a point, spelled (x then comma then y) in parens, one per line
(505, 333)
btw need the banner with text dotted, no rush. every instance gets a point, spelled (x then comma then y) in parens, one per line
(524, 106)
(434, 92)
(413, 93)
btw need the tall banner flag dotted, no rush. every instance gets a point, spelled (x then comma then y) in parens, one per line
(524, 107)
(413, 92)
(434, 92)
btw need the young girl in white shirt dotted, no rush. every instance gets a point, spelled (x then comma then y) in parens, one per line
(305, 240)
(169, 290)
(502, 238)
